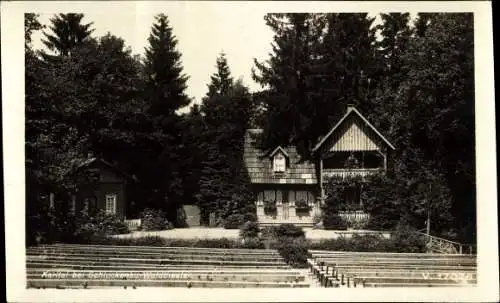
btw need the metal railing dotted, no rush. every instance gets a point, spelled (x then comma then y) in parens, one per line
(441, 245)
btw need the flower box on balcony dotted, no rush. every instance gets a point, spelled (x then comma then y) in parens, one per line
(301, 205)
(270, 208)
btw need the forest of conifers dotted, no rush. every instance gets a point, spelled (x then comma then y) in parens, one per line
(413, 78)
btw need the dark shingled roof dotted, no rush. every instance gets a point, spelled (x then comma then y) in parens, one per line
(260, 166)
(90, 161)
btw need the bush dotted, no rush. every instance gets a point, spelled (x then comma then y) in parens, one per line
(365, 243)
(405, 239)
(288, 230)
(249, 230)
(294, 251)
(233, 221)
(154, 219)
(97, 225)
(357, 223)
(249, 217)
(332, 221)
(253, 243)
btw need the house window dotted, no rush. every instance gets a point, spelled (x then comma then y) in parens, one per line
(279, 163)
(111, 204)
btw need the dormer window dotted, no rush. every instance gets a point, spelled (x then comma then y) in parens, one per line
(279, 159)
(279, 163)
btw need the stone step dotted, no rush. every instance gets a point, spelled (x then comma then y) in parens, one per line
(55, 283)
(111, 256)
(158, 248)
(120, 266)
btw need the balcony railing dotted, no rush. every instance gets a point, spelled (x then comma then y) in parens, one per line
(344, 173)
(357, 215)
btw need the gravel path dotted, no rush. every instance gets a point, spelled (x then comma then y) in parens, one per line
(216, 233)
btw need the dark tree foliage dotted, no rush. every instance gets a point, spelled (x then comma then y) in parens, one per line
(68, 31)
(31, 24)
(415, 84)
(320, 62)
(164, 92)
(221, 82)
(224, 183)
(165, 82)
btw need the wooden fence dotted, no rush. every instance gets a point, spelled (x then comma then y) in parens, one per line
(133, 224)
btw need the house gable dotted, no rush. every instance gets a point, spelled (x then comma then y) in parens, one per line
(353, 133)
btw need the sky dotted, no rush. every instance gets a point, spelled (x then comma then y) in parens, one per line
(203, 31)
(242, 35)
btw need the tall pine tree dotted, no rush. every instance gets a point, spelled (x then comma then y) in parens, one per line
(68, 31)
(165, 86)
(224, 185)
(221, 82)
(286, 77)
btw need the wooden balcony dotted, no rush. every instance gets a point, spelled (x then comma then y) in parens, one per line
(344, 173)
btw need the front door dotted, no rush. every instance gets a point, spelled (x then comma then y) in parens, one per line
(285, 204)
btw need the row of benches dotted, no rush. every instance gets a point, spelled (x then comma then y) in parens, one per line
(360, 269)
(98, 266)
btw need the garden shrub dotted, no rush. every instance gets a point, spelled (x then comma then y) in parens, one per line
(98, 224)
(249, 230)
(154, 219)
(290, 242)
(288, 230)
(294, 251)
(357, 224)
(249, 217)
(405, 239)
(233, 221)
(253, 243)
(333, 221)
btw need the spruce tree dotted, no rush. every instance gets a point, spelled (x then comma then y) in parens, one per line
(288, 78)
(164, 92)
(68, 31)
(224, 186)
(220, 82)
(165, 82)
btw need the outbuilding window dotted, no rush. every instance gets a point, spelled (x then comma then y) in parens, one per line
(111, 204)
